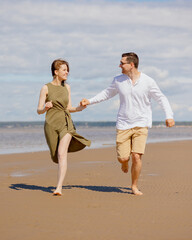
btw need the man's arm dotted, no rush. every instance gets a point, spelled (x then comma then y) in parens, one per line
(156, 94)
(104, 95)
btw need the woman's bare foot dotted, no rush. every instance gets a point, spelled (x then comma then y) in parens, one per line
(57, 192)
(136, 191)
(124, 166)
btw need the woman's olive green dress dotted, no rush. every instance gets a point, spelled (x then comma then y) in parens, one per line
(58, 122)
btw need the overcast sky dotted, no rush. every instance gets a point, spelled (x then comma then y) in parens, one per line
(92, 35)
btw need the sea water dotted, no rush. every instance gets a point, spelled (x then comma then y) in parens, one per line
(19, 137)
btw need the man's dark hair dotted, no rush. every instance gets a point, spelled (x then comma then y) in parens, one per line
(132, 57)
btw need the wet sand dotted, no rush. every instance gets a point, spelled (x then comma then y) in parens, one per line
(97, 202)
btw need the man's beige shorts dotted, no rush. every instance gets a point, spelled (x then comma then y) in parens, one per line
(131, 140)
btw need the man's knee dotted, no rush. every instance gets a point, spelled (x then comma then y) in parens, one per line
(136, 157)
(122, 160)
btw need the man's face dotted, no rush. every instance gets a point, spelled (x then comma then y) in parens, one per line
(126, 67)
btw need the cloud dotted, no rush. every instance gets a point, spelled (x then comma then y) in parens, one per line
(90, 31)
(92, 35)
(156, 72)
(179, 107)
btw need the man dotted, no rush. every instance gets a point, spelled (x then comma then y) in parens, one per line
(135, 91)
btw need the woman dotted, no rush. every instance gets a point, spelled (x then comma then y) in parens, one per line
(55, 100)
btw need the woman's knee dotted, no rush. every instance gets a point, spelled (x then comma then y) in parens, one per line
(61, 154)
(63, 146)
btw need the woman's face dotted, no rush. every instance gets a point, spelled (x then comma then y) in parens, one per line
(62, 73)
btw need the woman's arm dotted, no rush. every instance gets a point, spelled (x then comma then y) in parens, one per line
(69, 107)
(42, 107)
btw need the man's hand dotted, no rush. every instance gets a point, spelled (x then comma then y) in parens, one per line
(84, 102)
(170, 122)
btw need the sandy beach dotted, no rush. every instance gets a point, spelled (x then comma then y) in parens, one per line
(97, 202)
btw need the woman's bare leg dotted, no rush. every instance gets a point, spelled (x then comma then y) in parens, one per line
(62, 162)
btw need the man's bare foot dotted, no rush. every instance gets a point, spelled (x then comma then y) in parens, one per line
(124, 166)
(136, 191)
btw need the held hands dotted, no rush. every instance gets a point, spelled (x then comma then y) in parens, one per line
(84, 102)
(48, 105)
(82, 105)
(80, 108)
(170, 122)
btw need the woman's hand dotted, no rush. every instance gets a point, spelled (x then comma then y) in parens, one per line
(48, 105)
(80, 108)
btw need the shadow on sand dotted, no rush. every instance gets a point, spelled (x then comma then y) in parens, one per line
(106, 189)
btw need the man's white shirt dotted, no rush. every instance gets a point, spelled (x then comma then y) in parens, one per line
(135, 100)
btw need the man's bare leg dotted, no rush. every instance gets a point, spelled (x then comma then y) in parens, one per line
(124, 164)
(135, 172)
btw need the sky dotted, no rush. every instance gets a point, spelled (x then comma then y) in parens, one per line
(92, 35)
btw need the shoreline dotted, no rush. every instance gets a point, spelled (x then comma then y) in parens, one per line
(96, 192)
(105, 145)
